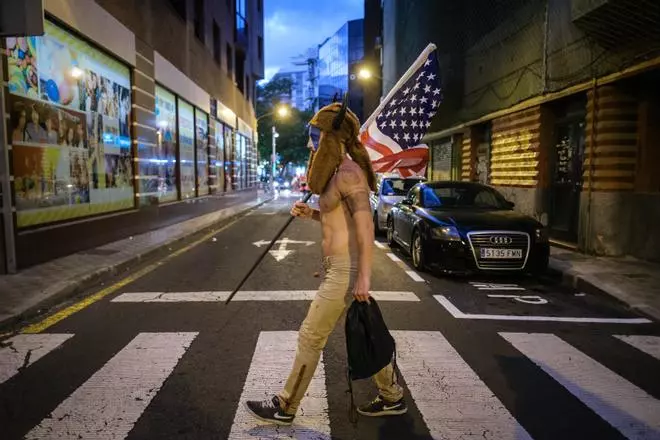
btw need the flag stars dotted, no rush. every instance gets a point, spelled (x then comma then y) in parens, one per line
(406, 137)
(414, 123)
(428, 62)
(404, 124)
(436, 91)
(396, 137)
(405, 92)
(393, 123)
(427, 88)
(417, 84)
(423, 99)
(432, 76)
(413, 98)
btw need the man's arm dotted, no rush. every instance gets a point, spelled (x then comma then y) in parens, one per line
(355, 194)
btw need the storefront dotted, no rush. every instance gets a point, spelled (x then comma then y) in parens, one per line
(69, 106)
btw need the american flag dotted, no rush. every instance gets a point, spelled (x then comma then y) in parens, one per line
(393, 133)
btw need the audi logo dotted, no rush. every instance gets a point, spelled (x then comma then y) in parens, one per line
(501, 240)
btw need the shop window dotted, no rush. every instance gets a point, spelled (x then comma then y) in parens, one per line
(70, 106)
(158, 171)
(186, 149)
(202, 156)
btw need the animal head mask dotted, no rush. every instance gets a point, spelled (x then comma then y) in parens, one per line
(333, 134)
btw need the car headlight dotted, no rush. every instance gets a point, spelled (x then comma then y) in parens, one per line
(541, 235)
(448, 233)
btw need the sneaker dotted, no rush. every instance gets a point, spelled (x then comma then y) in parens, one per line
(380, 407)
(269, 411)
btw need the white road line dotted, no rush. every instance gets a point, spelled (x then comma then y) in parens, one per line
(415, 276)
(379, 244)
(454, 402)
(453, 310)
(625, 406)
(112, 400)
(261, 295)
(270, 366)
(394, 257)
(22, 350)
(648, 344)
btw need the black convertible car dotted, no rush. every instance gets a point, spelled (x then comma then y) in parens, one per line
(465, 227)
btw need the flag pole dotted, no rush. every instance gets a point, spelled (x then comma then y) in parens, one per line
(421, 59)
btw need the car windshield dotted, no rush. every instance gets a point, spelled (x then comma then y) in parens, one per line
(469, 196)
(398, 187)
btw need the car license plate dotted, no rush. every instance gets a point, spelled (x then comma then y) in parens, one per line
(493, 253)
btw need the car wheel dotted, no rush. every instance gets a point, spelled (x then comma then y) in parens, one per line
(417, 251)
(376, 227)
(390, 233)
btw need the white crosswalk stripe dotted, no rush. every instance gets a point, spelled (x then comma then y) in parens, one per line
(455, 403)
(21, 351)
(273, 357)
(648, 344)
(626, 407)
(113, 399)
(261, 295)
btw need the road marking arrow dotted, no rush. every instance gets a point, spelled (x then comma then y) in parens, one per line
(282, 252)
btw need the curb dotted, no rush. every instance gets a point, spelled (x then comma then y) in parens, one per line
(72, 289)
(574, 280)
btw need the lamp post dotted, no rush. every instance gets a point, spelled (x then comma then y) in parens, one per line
(282, 111)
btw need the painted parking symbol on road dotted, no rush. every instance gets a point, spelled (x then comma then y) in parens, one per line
(495, 286)
(527, 299)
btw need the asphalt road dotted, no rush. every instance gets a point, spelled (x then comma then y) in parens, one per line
(163, 357)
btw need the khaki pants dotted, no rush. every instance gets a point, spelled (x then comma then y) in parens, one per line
(335, 293)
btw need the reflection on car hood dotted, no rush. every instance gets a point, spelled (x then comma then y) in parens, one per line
(482, 219)
(391, 200)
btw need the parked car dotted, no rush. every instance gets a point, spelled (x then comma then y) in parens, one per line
(389, 190)
(464, 227)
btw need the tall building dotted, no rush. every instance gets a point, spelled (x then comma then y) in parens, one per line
(121, 113)
(339, 57)
(299, 96)
(554, 103)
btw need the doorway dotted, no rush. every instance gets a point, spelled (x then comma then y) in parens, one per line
(566, 170)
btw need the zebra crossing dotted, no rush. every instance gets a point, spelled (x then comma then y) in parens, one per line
(452, 398)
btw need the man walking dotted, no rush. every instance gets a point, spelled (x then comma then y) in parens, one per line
(340, 172)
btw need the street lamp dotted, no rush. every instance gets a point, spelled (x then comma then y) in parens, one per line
(364, 73)
(282, 111)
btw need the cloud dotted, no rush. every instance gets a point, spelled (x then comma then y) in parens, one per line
(293, 26)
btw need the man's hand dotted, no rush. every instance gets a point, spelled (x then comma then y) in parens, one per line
(361, 289)
(301, 209)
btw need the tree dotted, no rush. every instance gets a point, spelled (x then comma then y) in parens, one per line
(292, 130)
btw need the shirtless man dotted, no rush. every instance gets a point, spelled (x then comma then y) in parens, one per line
(340, 172)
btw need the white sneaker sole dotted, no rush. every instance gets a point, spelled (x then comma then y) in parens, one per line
(396, 412)
(273, 421)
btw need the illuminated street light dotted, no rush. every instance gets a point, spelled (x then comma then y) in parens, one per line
(364, 73)
(283, 111)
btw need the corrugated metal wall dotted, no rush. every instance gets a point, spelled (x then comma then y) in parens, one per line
(515, 149)
(614, 136)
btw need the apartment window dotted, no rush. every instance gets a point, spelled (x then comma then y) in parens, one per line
(217, 47)
(179, 7)
(230, 61)
(240, 70)
(260, 42)
(241, 22)
(199, 19)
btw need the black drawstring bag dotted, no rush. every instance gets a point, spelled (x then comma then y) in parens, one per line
(369, 345)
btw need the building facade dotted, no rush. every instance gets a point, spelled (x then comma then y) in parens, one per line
(122, 114)
(556, 105)
(339, 57)
(301, 96)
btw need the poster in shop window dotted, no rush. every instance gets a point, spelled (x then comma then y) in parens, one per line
(202, 144)
(220, 151)
(187, 149)
(158, 164)
(69, 106)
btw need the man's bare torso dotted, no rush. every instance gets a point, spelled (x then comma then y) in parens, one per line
(339, 236)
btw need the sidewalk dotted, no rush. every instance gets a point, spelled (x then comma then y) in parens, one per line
(47, 284)
(634, 282)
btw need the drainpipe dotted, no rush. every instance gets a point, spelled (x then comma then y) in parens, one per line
(544, 67)
(592, 158)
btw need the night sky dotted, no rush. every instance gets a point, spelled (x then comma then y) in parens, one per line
(292, 26)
